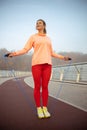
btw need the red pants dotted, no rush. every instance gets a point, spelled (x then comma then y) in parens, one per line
(41, 75)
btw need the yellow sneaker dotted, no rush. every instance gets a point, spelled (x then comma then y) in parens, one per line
(40, 112)
(46, 113)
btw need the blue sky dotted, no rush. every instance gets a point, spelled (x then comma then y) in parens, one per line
(66, 23)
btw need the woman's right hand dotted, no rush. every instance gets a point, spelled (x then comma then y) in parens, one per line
(9, 55)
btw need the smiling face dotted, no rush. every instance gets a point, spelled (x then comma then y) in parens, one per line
(40, 26)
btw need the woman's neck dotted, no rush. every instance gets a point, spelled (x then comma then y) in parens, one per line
(41, 33)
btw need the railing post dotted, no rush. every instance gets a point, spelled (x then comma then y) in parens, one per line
(78, 74)
(78, 77)
(61, 75)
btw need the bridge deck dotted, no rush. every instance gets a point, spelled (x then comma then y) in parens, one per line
(18, 112)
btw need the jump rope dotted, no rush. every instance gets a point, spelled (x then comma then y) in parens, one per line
(61, 84)
(20, 86)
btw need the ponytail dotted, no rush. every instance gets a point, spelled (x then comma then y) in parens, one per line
(45, 31)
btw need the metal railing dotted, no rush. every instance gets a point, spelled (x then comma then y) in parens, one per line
(76, 72)
(12, 73)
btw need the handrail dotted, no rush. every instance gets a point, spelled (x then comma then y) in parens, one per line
(77, 72)
(80, 63)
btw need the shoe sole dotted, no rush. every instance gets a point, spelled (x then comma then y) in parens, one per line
(47, 116)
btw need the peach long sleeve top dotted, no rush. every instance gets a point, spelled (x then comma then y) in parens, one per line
(43, 51)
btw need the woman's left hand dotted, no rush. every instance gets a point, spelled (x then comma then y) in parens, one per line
(67, 58)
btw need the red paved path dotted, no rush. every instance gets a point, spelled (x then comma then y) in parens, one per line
(17, 110)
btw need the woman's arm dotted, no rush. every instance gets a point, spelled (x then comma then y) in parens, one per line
(26, 48)
(53, 54)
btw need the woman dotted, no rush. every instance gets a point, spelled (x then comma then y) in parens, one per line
(41, 65)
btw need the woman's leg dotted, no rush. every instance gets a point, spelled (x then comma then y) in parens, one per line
(36, 72)
(46, 73)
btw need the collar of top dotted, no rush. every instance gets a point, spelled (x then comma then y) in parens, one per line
(41, 34)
